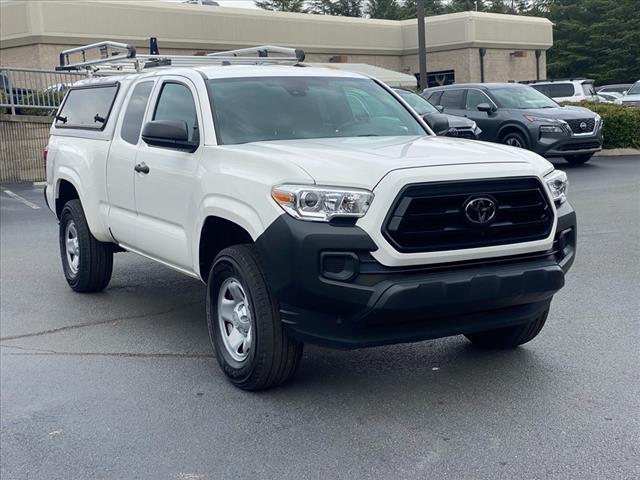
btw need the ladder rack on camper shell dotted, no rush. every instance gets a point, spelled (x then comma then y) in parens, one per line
(114, 57)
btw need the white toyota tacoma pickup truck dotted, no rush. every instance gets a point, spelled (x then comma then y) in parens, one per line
(316, 206)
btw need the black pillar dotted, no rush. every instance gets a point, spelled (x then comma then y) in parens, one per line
(422, 50)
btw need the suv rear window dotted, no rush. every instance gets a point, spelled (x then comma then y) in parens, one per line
(561, 90)
(87, 107)
(588, 89)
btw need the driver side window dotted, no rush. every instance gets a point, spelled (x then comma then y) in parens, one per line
(475, 98)
(176, 103)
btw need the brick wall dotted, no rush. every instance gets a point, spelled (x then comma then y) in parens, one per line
(22, 141)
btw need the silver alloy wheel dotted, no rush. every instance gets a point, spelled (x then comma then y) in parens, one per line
(72, 246)
(514, 142)
(234, 319)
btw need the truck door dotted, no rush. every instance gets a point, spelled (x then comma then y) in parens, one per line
(122, 159)
(164, 178)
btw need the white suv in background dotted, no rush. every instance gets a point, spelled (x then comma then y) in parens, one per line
(568, 90)
(314, 203)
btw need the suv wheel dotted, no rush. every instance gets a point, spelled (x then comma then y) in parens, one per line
(87, 263)
(514, 139)
(244, 323)
(578, 159)
(509, 337)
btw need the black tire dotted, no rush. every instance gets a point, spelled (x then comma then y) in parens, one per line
(94, 258)
(272, 358)
(514, 139)
(509, 337)
(578, 159)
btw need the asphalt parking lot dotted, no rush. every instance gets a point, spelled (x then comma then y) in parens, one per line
(122, 384)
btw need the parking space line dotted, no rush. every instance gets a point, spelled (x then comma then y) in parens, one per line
(15, 196)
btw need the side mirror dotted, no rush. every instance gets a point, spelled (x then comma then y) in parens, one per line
(485, 107)
(168, 134)
(439, 123)
(440, 108)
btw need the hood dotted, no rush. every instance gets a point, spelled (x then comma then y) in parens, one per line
(364, 161)
(560, 113)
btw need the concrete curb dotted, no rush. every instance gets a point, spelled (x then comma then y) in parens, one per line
(615, 152)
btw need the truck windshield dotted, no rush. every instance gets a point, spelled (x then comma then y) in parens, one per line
(521, 97)
(288, 108)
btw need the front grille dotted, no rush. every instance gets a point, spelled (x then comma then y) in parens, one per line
(575, 124)
(462, 133)
(431, 216)
(580, 146)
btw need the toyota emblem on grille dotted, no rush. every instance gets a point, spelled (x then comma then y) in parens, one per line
(583, 125)
(480, 210)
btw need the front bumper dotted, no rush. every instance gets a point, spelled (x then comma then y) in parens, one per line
(332, 292)
(557, 145)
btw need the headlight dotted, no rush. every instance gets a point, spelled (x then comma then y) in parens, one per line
(551, 129)
(558, 184)
(321, 204)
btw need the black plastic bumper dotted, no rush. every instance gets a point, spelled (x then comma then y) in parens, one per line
(332, 292)
(561, 146)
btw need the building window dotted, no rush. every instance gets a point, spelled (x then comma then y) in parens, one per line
(441, 77)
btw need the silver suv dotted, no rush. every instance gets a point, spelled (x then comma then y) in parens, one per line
(568, 90)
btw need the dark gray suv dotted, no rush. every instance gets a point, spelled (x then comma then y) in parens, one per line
(518, 115)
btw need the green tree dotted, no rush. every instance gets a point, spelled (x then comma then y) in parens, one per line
(281, 5)
(343, 8)
(385, 9)
(462, 6)
(596, 39)
(431, 7)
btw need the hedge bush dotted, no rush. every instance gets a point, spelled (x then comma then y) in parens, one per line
(621, 124)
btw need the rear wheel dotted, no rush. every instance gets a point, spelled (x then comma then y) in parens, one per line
(509, 337)
(87, 263)
(578, 159)
(243, 316)
(514, 139)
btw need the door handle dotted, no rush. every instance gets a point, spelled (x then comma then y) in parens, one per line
(141, 168)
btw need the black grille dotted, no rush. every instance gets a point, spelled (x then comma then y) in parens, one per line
(580, 146)
(590, 124)
(430, 217)
(463, 133)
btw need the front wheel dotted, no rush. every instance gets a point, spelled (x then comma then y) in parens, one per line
(509, 337)
(87, 263)
(514, 139)
(578, 159)
(243, 317)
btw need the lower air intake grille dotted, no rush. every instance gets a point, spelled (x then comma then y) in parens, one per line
(468, 214)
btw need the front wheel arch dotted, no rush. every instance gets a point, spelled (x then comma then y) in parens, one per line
(511, 128)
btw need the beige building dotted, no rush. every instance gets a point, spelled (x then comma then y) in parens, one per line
(459, 46)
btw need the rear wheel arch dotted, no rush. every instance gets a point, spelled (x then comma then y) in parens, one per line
(65, 191)
(216, 234)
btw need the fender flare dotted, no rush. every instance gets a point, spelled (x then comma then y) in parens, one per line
(95, 224)
(231, 209)
(518, 127)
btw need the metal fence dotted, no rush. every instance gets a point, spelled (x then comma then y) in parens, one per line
(30, 91)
